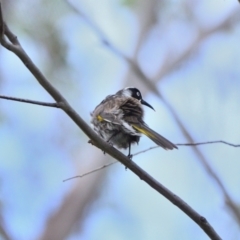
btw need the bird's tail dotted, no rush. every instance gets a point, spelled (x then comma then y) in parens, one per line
(155, 137)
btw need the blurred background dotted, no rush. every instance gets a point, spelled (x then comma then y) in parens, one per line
(183, 56)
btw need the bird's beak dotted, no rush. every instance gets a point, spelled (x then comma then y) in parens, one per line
(146, 104)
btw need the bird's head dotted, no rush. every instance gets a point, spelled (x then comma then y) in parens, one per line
(135, 93)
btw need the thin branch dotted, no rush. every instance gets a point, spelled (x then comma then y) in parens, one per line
(92, 171)
(200, 220)
(31, 101)
(192, 144)
(208, 142)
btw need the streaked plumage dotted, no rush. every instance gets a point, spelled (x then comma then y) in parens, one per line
(118, 119)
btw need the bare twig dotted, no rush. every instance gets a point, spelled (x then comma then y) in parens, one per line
(208, 142)
(92, 171)
(192, 144)
(148, 149)
(30, 101)
(16, 48)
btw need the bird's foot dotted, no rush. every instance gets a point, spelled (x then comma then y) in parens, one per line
(130, 159)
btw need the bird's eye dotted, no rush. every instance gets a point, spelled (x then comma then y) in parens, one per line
(138, 94)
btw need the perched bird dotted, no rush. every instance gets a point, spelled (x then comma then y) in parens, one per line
(118, 119)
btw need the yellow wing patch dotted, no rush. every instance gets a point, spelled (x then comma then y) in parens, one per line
(143, 131)
(99, 118)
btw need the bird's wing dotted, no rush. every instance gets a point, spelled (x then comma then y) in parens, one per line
(109, 117)
(108, 111)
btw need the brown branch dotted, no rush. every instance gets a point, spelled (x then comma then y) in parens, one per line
(30, 101)
(16, 48)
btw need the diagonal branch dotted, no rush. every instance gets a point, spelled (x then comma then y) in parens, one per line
(16, 48)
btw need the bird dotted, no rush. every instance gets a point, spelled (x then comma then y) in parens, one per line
(118, 120)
